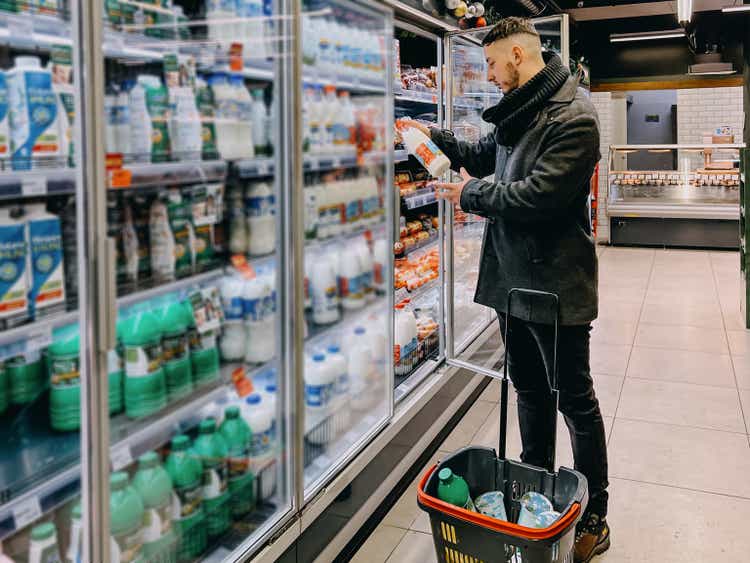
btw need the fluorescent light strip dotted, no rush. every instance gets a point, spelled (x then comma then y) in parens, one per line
(684, 10)
(739, 8)
(647, 36)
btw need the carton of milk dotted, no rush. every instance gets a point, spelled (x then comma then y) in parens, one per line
(4, 132)
(47, 291)
(14, 283)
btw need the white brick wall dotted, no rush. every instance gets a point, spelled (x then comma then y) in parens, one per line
(603, 103)
(701, 110)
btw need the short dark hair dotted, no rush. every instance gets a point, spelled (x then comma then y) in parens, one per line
(508, 27)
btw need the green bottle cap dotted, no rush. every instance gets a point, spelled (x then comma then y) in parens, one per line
(43, 531)
(148, 460)
(173, 317)
(141, 328)
(207, 426)
(232, 412)
(118, 481)
(65, 341)
(445, 474)
(180, 443)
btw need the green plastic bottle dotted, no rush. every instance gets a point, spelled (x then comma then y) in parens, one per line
(116, 373)
(145, 384)
(212, 450)
(154, 485)
(177, 366)
(238, 437)
(125, 520)
(186, 472)
(454, 490)
(4, 389)
(26, 375)
(63, 363)
(204, 350)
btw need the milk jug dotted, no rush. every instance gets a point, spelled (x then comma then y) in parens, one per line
(149, 120)
(426, 152)
(232, 343)
(34, 120)
(351, 278)
(244, 124)
(323, 290)
(359, 365)
(47, 292)
(75, 549)
(186, 127)
(261, 224)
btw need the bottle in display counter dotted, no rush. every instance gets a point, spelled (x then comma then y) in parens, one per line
(315, 120)
(43, 544)
(345, 127)
(331, 118)
(261, 418)
(220, 14)
(204, 349)
(261, 132)
(320, 381)
(250, 27)
(323, 289)
(259, 312)
(359, 363)
(116, 374)
(341, 388)
(269, 397)
(75, 549)
(14, 287)
(145, 384)
(261, 222)
(171, 232)
(351, 277)
(367, 267)
(152, 482)
(47, 292)
(224, 117)
(185, 125)
(405, 340)
(204, 99)
(212, 450)
(33, 119)
(65, 379)
(238, 436)
(61, 67)
(244, 124)
(233, 337)
(175, 349)
(186, 472)
(26, 377)
(311, 207)
(125, 521)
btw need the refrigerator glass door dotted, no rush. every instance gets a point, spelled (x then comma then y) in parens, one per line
(346, 142)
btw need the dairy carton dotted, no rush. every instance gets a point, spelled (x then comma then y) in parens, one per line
(14, 283)
(33, 115)
(61, 68)
(45, 261)
(4, 132)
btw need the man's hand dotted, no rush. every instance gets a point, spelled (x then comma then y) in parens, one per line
(406, 123)
(452, 191)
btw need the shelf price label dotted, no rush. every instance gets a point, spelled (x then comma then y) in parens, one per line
(121, 457)
(26, 512)
(34, 185)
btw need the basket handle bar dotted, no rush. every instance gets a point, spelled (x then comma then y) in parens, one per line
(551, 378)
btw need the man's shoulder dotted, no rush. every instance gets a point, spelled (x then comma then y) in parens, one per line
(579, 107)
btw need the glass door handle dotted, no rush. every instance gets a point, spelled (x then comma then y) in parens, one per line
(107, 295)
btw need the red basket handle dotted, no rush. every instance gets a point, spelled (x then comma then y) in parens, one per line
(558, 527)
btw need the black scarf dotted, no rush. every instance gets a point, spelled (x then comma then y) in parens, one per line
(513, 114)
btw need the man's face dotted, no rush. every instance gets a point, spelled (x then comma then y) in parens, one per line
(503, 59)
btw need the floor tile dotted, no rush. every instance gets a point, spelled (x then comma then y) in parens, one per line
(614, 311)
(422, 523)
(681, 297)
(618, 294)
(608, 388)
(742, 371)
(612, 332)
(467, 426)
(414, 547)
(682, 283)
(491, 393)
(745, 397)
(717, 408)
(739, 342)
(379, 545)
(653, 523)
(682, 338)
(708, 316)
(609, 359)
(706, 460)
(733, 318)
(703, 368)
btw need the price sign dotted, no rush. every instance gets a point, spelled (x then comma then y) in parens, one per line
(121, 178)
(34, 185)
(26, 512)
(121, 457)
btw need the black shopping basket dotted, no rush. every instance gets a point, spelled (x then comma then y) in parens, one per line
(463, 536)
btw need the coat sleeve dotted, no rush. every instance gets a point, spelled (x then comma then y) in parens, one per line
(565, 163)
(477, 158)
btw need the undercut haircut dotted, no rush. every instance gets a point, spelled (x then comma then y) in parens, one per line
(508, 27)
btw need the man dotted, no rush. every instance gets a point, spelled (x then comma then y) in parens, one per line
(543, 151)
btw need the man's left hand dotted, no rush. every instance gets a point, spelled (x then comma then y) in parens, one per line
(452, 191)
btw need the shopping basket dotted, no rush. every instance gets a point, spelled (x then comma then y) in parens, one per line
(462, 536)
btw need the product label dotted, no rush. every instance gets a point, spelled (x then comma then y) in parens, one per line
(174, 347)
(261, 443)
(48, 286)
(404, 353)
(157, 522)
(324, 298)
(142, 361)
(186, 500)
(318, 395)
(239, 461)
(234, 308)
(207, 311)
(179, 220)
(4, 133)
(33, 110)
(128, 545)
(203, 245)
(427, 152)
(259, 206)
(13, 287)
(215, 477)
(341, 134)
(378, 274)
(253, 309)
(350, 286)
(64, 371)
(353, 211)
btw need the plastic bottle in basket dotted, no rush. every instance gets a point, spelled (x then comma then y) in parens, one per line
(425, 151)
(232, 343)
(532, 505)
(359, 362)
(323, 289)
(262, 449)
(126, 520)
(154, 486)
(453, 489)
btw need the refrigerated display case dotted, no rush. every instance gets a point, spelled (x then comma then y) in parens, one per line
(686, 195)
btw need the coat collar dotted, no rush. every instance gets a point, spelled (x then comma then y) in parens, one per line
(567, 91)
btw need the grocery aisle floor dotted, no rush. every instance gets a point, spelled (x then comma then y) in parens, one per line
(671, 364)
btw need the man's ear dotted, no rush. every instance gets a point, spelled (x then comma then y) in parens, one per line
(518, 54)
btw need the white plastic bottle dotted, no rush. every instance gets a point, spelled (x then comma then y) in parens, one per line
(254, 31)
(331, 119)
(359, 364)
(315, 121)
(226, 116)
(371, 208)
(261, 133)
(345, 137)
(320, 380)
(380, 263)
(262, 450)
(367, 267)
(244, 124)
(323, 290)
(141, 128)
(237, 221)
(261, 223)
(186, 128)
(110, 138)
(351, 278)
(257, 321)
(220, 14)
(121, 123)
(339, 366)
(405, 340)
(43, 545)
(425, 151)
(233, 338)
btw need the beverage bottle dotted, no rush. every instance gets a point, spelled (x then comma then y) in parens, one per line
(43, 545)
(110, 137)
(359, 364)
(346, 127)
(238, 437)
(224, 115)
(126, 514)
(405, 340)
(259, 121)
(232, 343)
(268, 398)
(330, 111)
(350, 280)
(259, 320)
(316, 121)
(153, 484)
(212, 450)
(244, 125)
(421, 147)
(186, 472)
(380, 264)
(320, 381)
(351, 196)
(341, 387)
(176, 350)
(65, 379)
(219, 14)
(145, 383)
(262, 448)
(367, 267)
(186, 127)
(75, 550)
(237, 221)
(323, 290)
(121, 122)
(307, 96)
(252, 12)
(261, 223)
(454, 490)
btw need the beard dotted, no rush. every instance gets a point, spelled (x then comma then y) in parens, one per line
(514, 77)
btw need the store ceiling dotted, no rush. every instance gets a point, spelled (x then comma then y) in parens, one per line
(587, 10)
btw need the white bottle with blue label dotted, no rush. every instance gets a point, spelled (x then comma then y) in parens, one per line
(261, 419)
(320, 379)
(261, 221)
(232, 344)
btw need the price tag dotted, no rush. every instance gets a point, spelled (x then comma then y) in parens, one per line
(27, 512)
(121, 178)
(121, 457)
(34, 185)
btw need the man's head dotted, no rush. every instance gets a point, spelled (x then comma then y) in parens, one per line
(513, 52)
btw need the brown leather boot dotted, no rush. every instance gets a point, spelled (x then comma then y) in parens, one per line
(592, 539)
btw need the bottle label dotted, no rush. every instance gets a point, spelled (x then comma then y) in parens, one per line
(65, 372)
(239, 461)
(350, 286)
(427, 152)
(343, 384)
(404, 353)
(174, 347)
(324, 298)
(259, 206)
(187, 500)
(261, 443)
(234, 308)
(142, 361)
(129, 546)
(253, 309)
(353, 211)
(318, 395)
(340, 134)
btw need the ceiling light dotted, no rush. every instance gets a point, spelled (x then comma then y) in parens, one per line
(684, 10)
(646, 36)
(738, 8)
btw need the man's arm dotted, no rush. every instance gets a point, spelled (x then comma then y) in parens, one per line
(565, 163)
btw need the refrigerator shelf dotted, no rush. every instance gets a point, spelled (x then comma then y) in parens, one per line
(263, 167)
(15, 184)
(32, 445)
(137, 175)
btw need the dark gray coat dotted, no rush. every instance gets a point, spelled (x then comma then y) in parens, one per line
(538, 234)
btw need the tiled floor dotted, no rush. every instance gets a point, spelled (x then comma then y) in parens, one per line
(671, 364)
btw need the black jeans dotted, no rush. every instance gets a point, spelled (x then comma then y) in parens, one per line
(529, 362)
